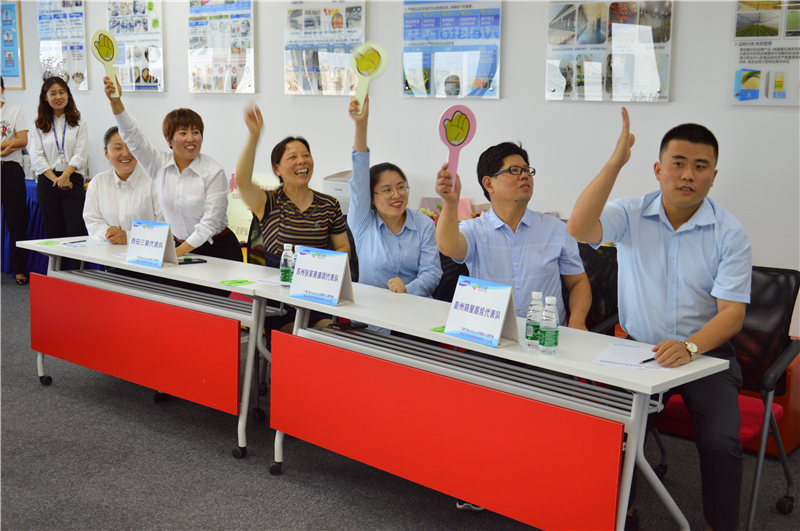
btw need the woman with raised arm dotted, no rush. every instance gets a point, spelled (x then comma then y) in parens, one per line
(60, 151)
(191, 187)
(396, 245)
(294, 213)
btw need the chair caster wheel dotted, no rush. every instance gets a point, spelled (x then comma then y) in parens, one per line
(661, 471)
(258, 414)
(45, 380)
(262, 389)
(161, 397)
(785, 505)
(276, 469)
(239, 452)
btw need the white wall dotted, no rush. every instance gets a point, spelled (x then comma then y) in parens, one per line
(759, 170)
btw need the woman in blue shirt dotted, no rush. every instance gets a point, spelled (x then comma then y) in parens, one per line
(396, 246)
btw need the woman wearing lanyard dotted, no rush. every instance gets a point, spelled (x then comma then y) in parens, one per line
(396, 246)
(60, 151)
(294, 213)
(192, 188)
(14, 195)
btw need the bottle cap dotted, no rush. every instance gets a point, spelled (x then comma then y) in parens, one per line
(536, 295)
(287, 246)
(550, 300)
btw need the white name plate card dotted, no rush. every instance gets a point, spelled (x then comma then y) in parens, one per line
(483, 312)
(322, 276)
(151, 244)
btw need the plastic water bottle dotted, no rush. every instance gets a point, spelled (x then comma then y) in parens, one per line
(286, 265)
(548, 330)
(533, 320)
(294, 257)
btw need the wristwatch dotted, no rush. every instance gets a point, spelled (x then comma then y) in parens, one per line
(691, 348)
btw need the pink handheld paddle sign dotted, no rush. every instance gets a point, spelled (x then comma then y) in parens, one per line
(456, 128)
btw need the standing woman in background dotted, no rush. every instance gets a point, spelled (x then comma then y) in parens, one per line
(60, 152)
(14, 195)
(192, 188)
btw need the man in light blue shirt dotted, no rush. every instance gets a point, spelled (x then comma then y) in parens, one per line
(510, 244)
(684, 280)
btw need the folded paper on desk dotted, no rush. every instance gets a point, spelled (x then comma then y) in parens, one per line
(629, 356)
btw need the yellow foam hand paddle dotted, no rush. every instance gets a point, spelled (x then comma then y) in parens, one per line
(457, 129)
(105, 48)
(368, 61)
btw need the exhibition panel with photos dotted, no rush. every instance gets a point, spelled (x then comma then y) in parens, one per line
(765, 54)
(221, 52)
(616, 51)
(61, 26)
(319, 38)
(137, 26)
(13, 66)
(451, 49)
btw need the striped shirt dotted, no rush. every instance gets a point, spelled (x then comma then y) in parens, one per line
(284, 223)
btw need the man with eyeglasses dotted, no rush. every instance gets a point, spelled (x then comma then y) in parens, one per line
(692, 258)
(511, 244)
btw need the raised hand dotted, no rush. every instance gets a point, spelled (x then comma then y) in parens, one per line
(622, 151)
(253, 119)
(444, 185)
(354, 108)
(457, 128)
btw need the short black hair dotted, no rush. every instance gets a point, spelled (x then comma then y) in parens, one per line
(491, 160)
(693, 133)
(280, 149)
(376, 171)
(107, 137)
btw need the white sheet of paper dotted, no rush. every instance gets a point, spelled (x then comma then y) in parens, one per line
(276, 280)
(622, 355)
(120, 255)
(86, 243)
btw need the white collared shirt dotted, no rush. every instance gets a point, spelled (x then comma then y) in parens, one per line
(194, 201)
(110, 201)
(76, 146)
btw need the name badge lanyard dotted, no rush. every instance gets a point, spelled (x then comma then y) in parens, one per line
(63, 141)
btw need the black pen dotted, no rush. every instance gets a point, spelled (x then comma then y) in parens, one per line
(77, 241)
(645, 361)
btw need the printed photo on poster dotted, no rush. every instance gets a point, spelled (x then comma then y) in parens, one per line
(617, 51)
(451, 49)
(13, 66)
(318, 40)
(61, 27)
(137, 26)
(221, 51)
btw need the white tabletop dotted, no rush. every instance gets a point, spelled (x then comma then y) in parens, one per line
(408, 314)
(209, 274)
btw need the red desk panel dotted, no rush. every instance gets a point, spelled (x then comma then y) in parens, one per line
(550, 467)
(185, 353)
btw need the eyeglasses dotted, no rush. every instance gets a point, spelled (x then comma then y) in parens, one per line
(387, 193)
(517, 170)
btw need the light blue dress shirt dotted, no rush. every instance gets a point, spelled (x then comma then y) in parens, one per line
(411, 254)
(670, 280)
(532, 259)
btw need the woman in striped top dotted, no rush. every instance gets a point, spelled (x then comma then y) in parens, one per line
(294, 213)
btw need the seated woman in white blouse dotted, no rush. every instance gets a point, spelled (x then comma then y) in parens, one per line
(116, 197)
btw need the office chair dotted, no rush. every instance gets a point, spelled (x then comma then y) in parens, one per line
(764, 351)
(601, 268)
(450, 273)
